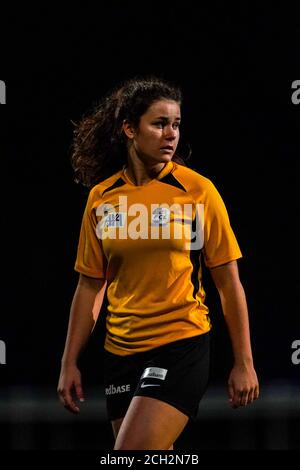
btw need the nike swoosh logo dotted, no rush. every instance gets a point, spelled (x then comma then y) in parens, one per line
(150, 385)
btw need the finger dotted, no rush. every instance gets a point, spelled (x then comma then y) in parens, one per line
(68, 403)
(79, 392)
(256, 393)
(250, 397)
(253, 394)
(72, 407)
(230, 393)
(244, 398)
(236, 399)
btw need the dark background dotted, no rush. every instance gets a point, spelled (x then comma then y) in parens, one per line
(236, 66)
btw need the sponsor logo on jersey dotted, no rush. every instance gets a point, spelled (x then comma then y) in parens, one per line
(161, 216)
(114, 219)
(112, 389)
(149, 385)
(154, 373)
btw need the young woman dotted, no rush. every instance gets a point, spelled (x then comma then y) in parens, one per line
(148, 223)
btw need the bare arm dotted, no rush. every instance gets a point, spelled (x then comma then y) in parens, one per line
(242, 384)
(84, 312)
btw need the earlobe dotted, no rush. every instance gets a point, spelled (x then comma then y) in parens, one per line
(128, 129)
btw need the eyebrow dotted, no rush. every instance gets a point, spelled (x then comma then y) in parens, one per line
(164, 118)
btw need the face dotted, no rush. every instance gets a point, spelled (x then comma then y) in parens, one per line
(157, 136)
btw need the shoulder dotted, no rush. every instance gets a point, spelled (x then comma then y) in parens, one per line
(96, 193)
(193, 181)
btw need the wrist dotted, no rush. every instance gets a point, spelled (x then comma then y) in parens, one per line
(69, 362)
(244, 361)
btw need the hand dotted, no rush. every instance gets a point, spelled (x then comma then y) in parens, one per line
(243, 386)
(69, 382)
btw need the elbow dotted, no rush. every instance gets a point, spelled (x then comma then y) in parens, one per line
(91, 282)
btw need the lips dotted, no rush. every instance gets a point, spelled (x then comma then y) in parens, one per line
(167, 147)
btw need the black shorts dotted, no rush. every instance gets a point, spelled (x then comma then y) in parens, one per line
(175, 373)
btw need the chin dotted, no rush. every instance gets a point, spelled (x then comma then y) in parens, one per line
(166, 157)
(162, 158)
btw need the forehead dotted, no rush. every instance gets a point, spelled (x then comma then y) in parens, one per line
(164, 108)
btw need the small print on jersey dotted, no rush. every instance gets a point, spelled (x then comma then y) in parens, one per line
(115, 219)
(160, 216)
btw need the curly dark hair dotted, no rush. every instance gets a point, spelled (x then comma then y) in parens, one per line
(99, 147)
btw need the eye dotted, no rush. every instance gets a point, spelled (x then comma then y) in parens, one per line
(159, 124)
(176, 125)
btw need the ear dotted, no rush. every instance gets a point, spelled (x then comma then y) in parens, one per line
(128, 129)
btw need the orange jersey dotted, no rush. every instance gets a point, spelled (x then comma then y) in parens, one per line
(130, 235)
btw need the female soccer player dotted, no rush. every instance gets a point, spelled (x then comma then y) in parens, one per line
(149, 222)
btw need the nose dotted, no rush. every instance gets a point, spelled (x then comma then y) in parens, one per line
(170, 133)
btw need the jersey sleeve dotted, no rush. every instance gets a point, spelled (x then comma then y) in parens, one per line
(90, 258)
(220, 244)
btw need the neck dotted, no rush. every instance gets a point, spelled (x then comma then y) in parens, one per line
(140, 173)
